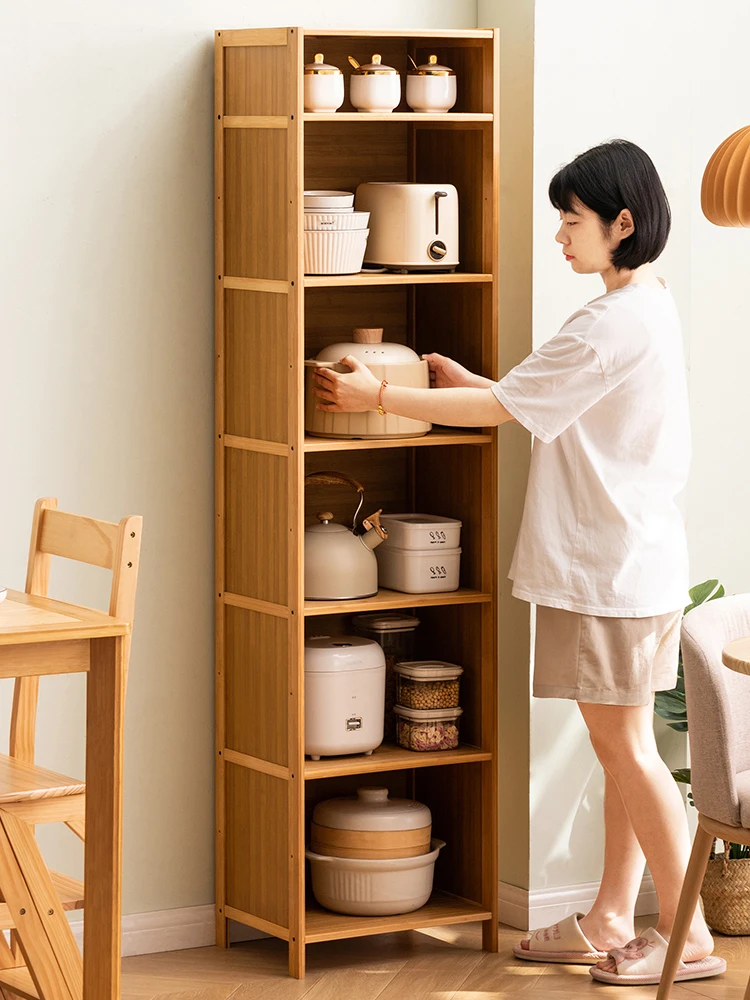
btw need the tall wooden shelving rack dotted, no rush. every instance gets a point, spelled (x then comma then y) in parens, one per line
(269, 318)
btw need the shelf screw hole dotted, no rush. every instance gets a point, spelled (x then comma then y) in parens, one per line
(50, 913)
(130, 565)
(219, 117)
(22, 912)
(219, 277)
(132, 534)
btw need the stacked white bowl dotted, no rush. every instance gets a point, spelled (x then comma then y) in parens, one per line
(335, 235)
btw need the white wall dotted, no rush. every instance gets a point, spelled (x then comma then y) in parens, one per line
(673, 79)
(106, 282)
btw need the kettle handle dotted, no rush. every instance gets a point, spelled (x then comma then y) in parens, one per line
(338, 479)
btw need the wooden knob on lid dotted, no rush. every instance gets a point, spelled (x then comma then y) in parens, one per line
(324, 515)
(367, 335)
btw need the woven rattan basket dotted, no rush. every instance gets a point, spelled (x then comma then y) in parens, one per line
(726, 895)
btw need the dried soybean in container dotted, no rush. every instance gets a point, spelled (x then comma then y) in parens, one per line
(427, 684)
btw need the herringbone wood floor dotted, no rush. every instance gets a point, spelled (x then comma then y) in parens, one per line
(443, 964)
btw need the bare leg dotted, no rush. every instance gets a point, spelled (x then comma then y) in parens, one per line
(609, 923)
(623, 738)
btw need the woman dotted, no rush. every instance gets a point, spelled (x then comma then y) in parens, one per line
(601, 549)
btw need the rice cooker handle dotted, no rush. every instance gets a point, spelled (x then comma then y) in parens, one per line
(338, 479)
(438, 196)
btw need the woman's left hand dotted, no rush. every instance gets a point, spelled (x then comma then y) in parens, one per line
(347, 392)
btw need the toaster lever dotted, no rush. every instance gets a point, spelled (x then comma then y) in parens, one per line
(438, 196)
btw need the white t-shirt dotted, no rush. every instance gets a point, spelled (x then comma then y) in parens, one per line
(607, 401)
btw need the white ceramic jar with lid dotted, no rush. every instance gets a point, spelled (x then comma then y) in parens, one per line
(324, 86)
(344, 695)
(372, 855)
(374, 88)
(394, 363)
(431, 88)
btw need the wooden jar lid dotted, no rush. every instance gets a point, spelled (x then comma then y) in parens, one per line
(371, 825)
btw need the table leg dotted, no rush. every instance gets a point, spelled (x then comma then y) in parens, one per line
(105, 700)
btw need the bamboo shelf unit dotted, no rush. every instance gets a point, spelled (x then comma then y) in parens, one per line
(269, 318)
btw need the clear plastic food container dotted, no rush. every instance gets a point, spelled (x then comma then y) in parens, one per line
(395, 633)
(427, 684)
(430, 729)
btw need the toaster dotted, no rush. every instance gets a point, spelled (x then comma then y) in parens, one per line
(413, 227)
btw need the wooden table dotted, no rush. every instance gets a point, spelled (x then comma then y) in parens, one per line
(736, 655)
(42, 636)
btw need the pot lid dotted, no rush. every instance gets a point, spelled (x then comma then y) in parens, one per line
(377, 621)
(372, 809)
(376, 68)
(327, 524)
(325, 654)
(367, 346)
(318, 66)
(432, 68)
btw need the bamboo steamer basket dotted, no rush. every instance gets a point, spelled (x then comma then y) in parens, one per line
(371, 826)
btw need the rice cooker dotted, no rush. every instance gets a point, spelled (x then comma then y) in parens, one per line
(413, 227)
(344, 695)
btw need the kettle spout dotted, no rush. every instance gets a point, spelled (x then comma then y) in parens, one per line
(375, 533)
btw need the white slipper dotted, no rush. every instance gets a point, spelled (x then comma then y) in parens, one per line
(641, 961)
(564, 942)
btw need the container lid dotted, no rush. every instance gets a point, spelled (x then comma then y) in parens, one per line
(427, 714)
(428, 670)
(326, 654)
(374, 68)
(432, 68)
(327, 524)
(389, 621)
(372, 809)
(418, 519)
(318, 66)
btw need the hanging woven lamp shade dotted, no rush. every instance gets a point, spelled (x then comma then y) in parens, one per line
(725, 192)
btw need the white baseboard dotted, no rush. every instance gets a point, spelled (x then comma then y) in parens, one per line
(194, 926)
(168, 930)
(525, 908)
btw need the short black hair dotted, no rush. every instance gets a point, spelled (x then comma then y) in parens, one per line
(612, 176)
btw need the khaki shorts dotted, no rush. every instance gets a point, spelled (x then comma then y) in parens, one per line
(605, 661)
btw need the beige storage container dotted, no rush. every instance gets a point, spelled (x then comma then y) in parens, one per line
(396, 363)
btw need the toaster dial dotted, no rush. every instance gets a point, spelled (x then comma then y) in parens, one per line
(437, 250)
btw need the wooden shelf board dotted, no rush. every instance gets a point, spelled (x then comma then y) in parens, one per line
(391, 758)
(442, 908)
(19, 983)
(414, 278)
(387, 599)
(397, 116)
(396, 33)
(433, 439)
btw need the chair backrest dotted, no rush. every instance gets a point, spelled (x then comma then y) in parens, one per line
(718, 706)
(115, 547)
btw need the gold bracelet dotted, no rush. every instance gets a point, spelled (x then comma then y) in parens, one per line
(381, 411)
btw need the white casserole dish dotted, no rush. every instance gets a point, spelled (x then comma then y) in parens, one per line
(418, 572)
(371, 888)
(422, 531)
(327, 221)
(338, 252)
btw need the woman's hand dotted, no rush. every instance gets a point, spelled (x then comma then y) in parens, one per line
(347, 392)
(445, 373)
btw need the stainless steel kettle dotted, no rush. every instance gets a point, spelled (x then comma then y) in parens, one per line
(340, 564)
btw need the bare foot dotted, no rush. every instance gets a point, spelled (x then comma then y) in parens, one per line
(699, 944)
(606, 933)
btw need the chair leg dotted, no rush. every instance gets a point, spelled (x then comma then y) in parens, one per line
(691, 889)
(44, 934)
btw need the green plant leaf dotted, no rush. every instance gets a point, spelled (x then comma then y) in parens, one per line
(701, 592)
(682, 775)
(671, 701)
(679, 727)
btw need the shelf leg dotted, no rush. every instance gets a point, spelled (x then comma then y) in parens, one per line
(489, 935)
(222, 930)
(297, 959)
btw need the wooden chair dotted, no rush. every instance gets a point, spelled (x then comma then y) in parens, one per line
(48, 956)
